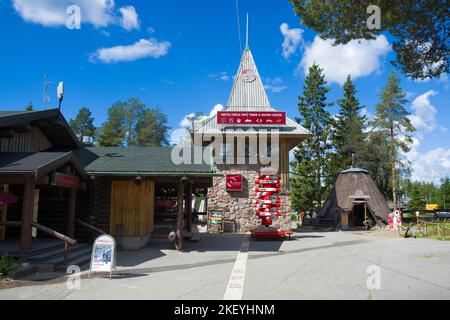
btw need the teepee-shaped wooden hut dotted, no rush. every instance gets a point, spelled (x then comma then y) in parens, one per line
(355, 201)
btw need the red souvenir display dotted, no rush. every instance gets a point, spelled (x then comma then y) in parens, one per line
(267, 202)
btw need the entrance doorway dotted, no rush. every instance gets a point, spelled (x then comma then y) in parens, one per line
(361, 216)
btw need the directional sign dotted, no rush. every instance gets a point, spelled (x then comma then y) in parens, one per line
(253, 118)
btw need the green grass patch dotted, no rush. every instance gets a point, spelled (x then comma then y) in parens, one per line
(433, 230)
(7, 265)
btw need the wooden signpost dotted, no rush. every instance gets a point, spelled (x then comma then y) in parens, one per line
(215, 221)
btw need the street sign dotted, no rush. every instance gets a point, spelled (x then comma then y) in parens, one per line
(103, 258)
(234, 182)
(253, 118)
(65, 180)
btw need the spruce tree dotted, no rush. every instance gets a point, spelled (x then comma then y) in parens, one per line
(392, 121)
(310, 164)
(348, 133)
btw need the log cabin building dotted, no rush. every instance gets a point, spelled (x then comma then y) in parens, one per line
(54, 186)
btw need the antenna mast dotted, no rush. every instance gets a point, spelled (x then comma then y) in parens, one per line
(46, 97)
(239, 26)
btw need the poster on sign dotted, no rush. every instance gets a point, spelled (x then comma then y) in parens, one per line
(103, 258)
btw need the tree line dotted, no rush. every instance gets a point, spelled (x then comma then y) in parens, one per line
(376, 144)
(130, 123)
(422, 193)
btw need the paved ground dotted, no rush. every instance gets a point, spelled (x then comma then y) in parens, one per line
(327, 265)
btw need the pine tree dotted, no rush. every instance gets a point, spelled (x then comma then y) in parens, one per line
(83, 124)
(392, 121)
(310, 164)
(29, 107)
(377, 162)
(348, 133)
(152, 129)
(131, 123)
(445, 193)
(114, 129)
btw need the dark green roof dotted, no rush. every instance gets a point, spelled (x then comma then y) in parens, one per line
(135, 161)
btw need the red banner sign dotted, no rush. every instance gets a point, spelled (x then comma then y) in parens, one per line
(234, 182)
(251, 118)
(65, 180)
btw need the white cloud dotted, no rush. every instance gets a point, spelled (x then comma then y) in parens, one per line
(358, 58)
(100, 13)
(179, 135)
(431, 166)
(53, 13)
(292, 40)
(424, 116)
(142, 49)
(186, 122)
(275, 85)
(129, 19)
(150, 30)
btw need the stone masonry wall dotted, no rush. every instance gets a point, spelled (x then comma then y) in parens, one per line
(238, 207)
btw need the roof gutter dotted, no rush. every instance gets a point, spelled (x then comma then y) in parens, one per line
(154, 174)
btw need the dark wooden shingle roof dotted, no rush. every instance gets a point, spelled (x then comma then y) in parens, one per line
(35, 163)
(51, 122)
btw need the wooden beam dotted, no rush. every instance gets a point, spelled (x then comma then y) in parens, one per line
(180, 220)
(27, 216)
(15, 178)
(71, 213)
(54, 233)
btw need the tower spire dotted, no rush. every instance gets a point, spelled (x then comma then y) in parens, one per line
(246, 35)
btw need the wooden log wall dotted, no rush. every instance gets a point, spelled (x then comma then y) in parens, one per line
(132, 208)
(33, 141)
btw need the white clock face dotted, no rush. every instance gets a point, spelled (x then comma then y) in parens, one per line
(248, 75)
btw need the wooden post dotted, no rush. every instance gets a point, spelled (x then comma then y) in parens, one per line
(188, 202)
(180, 220)
(71, 213)
(35, 212)
(27, 216)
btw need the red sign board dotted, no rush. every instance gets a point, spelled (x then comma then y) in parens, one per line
(234, 182)
(65, 180)
(251, 118)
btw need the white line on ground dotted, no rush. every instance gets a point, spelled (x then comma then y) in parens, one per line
(235, 286)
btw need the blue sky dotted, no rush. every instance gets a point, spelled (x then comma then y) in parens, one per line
(181, 56)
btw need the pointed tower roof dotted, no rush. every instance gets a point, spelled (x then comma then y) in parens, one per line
(248, 91)
(248, 94)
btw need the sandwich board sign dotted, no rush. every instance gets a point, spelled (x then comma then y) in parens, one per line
(103, 258)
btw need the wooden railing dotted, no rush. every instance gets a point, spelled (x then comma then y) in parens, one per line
(67, 241)
(90, 227)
